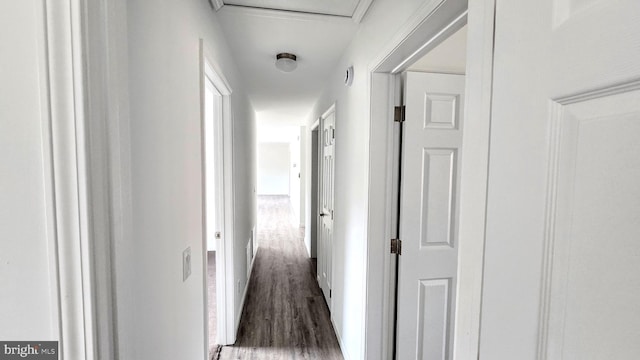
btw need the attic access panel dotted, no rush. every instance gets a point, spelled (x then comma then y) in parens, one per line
(325, 7)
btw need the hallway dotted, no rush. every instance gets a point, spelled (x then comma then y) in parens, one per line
(285, 316)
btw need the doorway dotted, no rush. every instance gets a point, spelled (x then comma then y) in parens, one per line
(431, 144)
(443, 319)
(217, 207)
(213, 202)
(315, 195)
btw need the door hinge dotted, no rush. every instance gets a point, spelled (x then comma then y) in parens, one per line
(396, 246)
(399, 113)
(329, 293)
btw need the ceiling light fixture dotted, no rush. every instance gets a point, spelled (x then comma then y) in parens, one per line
(286, 62)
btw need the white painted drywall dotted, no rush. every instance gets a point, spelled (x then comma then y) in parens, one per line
(448, 57)
(273, 168)
(26, 295)
(166, 174)
(256, 36)
(275, 134)
(384, 19)
(294, 180)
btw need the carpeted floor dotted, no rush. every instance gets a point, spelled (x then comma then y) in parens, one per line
(285, 316)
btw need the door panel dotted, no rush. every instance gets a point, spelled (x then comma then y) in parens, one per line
(433, 318)
(438, 186)
(561, 277)
(428, 221)
(596, 281)
(325, 257)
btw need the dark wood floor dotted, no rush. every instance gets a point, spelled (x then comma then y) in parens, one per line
(285, 316)
(211, 284)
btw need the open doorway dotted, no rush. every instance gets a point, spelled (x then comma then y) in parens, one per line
(213, 201)
(217, 207)
(430, 141)
(435, 150)
(280, 159)
(315, 196)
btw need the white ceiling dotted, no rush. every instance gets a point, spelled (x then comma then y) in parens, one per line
(255, 36)
(329, 7)
(450, 56)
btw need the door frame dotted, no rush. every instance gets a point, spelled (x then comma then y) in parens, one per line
(432, 23)
(84, 136)
(315, 210)
(225, 185)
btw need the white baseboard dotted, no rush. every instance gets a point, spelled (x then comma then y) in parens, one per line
(244, 296)
(306, 248)
(344, 352)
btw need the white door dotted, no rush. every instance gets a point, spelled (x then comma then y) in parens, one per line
(432, 139)
(562, 262)
(325, 248)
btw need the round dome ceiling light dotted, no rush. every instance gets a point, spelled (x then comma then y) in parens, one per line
(286, 62)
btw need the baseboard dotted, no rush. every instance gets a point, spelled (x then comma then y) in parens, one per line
(306, 248)
(345, 354)
(244, 297)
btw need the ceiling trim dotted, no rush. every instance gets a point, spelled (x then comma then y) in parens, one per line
(217, 4)
(361, 10)
(284, 14)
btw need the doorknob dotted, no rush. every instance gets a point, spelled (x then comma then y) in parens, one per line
(323, 214)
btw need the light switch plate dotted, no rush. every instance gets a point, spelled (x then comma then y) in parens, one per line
(186, 263)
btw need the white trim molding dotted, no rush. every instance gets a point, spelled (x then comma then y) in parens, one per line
(217, 4)
(474, 178)
(75, 89)
(66, 96)
(227, 327)
(361, 10)
(82, 154)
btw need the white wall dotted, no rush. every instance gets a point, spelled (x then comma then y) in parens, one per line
(448, 57)
(27, 307)
(165, 313)
(294, 180)
(273, 168)
(384, 19)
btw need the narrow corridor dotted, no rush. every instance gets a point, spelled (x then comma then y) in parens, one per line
(285, 315)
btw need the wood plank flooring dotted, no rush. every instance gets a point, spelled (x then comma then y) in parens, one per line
(285, 315)
(211, 284)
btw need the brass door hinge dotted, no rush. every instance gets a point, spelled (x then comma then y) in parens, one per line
(399, 113)
(396, 246)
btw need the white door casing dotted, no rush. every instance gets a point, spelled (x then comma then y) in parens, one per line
(224, 187)
(213, 189)
(432, 139)
(325, 248)
(564, 201)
